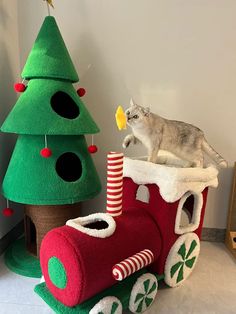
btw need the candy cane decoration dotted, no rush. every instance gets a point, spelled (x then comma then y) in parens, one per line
(114, 183)
(132, 264)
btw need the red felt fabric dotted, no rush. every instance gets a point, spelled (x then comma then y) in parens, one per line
(162, 212)
(88, 261)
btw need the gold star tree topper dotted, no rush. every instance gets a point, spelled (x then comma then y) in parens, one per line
(50, 3)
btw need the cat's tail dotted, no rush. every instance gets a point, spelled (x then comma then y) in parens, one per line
(220, 161)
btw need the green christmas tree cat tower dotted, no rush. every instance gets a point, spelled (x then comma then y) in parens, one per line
(51, 170)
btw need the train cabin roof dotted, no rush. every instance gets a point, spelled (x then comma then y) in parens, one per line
(172, 181)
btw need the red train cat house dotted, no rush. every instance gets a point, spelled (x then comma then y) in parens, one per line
(107, 262)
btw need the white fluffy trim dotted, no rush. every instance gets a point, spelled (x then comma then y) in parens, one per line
(80, 224)
(173, 182)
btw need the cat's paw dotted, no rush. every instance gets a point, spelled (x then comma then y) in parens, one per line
(127, 140)
(125, 143)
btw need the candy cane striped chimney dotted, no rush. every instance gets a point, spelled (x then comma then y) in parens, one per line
(114, 183)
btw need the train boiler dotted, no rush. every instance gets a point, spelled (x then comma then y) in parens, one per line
(107, 262)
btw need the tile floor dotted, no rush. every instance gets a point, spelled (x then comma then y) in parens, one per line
(211, 289)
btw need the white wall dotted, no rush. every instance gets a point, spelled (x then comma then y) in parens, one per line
(9, 73)
(179, 56)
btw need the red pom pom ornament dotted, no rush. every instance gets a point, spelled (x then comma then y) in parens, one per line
(19, 87)
(92, 149)
(81, 92)
(7, 212)
(46, 152)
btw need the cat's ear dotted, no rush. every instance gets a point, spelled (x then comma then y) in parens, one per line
(132, 102)
(146, 111)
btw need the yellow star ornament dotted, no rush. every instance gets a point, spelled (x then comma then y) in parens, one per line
(120, 118)
(50, 3)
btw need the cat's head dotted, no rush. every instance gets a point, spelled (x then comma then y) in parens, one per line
(136, 114)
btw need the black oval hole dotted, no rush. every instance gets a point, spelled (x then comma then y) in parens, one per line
(69, 167)
(98, 225)
(234, 239)
(64, 105)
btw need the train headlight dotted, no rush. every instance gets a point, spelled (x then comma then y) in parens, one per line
(57, 272)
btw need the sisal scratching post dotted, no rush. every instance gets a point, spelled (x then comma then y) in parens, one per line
(36, 226)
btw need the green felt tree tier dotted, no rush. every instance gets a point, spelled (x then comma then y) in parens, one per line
(50, 107)
(67, 177)
(49, 57)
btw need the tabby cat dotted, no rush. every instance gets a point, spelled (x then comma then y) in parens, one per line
(182, 139)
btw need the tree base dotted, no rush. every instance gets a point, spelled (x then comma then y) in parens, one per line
(20, 261)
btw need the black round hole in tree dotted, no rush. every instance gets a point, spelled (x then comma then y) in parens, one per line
(69, 167)
(234, 239)
(64, 105)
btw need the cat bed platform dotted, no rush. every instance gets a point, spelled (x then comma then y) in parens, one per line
(172, 181)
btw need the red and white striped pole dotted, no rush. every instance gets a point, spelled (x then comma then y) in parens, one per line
(132, 264)
(114, 183)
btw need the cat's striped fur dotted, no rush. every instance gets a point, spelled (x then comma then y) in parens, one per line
(182, 139)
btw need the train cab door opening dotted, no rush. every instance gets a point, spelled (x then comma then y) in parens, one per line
(188, 213)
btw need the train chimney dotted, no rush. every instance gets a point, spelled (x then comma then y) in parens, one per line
(114, 183)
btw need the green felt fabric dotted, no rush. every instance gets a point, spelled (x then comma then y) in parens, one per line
(32, 179)
(49, 57)
(121, 290)
(18, 260)
(57, 272)
(33, 113)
